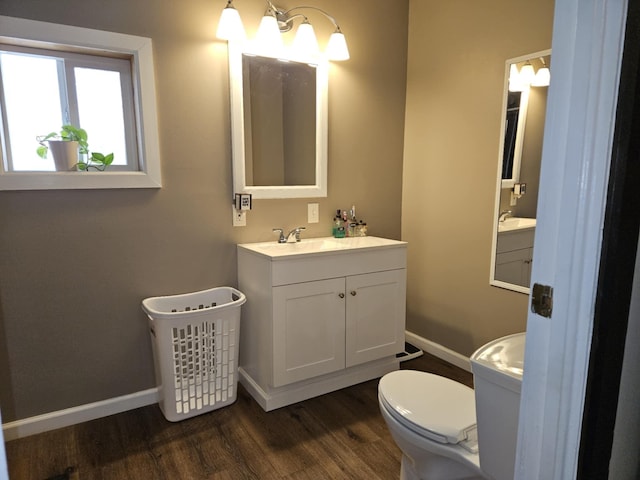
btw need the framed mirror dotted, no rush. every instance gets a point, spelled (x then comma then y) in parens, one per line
(279, 125)
(518, 173)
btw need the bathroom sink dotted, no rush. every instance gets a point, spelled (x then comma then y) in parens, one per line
(516, 223)
(315, 246)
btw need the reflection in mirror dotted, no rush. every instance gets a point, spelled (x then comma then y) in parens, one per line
(518, 174)
(515, 118)
(279, 126)
(279, 121)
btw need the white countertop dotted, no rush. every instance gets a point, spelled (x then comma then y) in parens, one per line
(516, 223)
(319, 246)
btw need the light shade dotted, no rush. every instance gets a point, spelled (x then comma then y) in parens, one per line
(515, 81)
(337, 47)
(516, 86)
(542, 78)
(527, 74)
(268, 39)
(305, 43)
(230, 26)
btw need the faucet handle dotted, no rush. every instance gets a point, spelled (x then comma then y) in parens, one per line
(281, 232)
(504, 214)
(295, 233)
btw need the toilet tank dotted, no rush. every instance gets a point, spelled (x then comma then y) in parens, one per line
(497, 378)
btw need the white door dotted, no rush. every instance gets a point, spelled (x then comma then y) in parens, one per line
(587, 49)
(375, 316)
(308, 330)
(4, 474)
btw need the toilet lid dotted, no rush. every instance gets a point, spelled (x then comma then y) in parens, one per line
(433, 406)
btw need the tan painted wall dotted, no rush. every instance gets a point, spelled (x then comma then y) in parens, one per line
(457, 51)
(75, 265)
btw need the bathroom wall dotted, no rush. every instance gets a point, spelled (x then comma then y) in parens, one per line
(75, 265)
(456, 64)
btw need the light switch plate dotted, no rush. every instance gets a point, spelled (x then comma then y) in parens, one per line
(239, 217)
(313, 212)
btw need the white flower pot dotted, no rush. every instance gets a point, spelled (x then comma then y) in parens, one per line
(65, 154)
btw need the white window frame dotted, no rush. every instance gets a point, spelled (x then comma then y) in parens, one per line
(22, 32)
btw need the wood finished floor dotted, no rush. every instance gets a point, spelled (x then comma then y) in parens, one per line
(340, 435)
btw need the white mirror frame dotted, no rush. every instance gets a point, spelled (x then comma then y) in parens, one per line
(500, 184)
(237, 134)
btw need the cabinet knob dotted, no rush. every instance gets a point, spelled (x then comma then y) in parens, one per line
(341, 295)
(353, 293)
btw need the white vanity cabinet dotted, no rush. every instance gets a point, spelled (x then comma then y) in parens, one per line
(320, 315)
(514, 255)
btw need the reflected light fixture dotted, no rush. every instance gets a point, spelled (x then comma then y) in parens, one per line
(543, 76)
(515, 81)
(527, 76)
(276, 21)
(527, 73)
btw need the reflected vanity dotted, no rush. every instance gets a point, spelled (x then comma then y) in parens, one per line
(522, 129)
(279, 125)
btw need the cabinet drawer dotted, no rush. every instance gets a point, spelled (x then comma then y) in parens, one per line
(319, 267)
(509, 241)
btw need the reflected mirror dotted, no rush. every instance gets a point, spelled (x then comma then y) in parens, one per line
(520, 155)
(279, 126)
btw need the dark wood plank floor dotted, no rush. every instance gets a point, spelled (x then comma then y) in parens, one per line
(340, 435)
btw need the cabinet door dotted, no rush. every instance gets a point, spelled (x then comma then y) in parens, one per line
(514, 267)
(308, 330)
(375, 315)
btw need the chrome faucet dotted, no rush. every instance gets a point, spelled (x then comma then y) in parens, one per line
(504, 214)
(292, 236)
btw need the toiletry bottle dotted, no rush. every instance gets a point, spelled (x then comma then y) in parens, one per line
(336, 226)
(361, 229)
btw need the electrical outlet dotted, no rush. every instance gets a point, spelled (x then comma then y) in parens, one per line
(313, 213)
(239, 217)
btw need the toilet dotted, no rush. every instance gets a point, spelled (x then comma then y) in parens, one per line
(448, 431)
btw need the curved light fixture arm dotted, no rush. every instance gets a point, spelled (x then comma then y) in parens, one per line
(285, 18)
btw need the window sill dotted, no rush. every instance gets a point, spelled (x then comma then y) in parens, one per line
(77, 180)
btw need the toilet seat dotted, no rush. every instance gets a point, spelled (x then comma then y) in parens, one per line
(434, 407)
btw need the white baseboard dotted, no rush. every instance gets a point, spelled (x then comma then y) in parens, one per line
(104, 408)
(297, 392)
(439, 351)
(79, 414)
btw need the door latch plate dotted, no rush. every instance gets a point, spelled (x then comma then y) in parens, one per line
(542, 300)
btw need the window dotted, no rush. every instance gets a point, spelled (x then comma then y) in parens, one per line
(51, 75)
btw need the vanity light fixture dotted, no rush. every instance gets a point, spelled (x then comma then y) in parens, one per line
(527, 76)
(276, 21)
(543, 76)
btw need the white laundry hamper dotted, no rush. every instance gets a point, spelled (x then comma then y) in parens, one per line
(195, 338)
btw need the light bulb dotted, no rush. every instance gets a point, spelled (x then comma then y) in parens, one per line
(230, 25)
(542, 78)
(268, 38)
(305, 43)
(527, 74)
(516, 86)
(514, 76)
(337, 47)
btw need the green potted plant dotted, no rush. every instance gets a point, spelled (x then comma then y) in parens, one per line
(67, 145)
